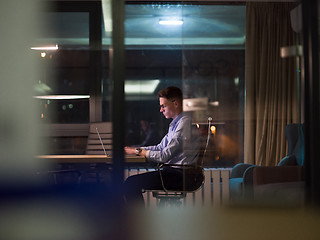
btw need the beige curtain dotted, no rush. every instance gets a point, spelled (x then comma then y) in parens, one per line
(271, 87)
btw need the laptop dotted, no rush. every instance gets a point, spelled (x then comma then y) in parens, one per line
(104, 149)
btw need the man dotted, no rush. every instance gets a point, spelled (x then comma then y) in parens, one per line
(179, 147)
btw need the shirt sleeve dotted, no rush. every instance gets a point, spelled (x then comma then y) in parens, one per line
(170, 146)
(159, 146)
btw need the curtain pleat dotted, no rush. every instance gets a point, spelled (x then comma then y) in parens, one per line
(271, 87)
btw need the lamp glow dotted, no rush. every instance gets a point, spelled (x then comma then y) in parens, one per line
(195, 104)
(213, 130)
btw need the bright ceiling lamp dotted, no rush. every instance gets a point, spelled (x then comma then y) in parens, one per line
(46, 48)
(171, 22)
(62, 97)
(141, 86)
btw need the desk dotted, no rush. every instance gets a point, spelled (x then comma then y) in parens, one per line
(88, 158)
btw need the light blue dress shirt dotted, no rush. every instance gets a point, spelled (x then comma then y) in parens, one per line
(179, 146)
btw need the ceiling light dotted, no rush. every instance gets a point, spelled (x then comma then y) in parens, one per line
(171, 22)
(46, 48)
(62, 97)
(141, 86)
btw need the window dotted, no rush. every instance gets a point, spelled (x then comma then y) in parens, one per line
(204, 56)
(63, 90)
(68, 91)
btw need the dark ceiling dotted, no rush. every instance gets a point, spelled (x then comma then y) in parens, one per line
(204, 26)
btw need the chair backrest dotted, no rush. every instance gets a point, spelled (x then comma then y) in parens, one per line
(295, 137)
(94, 145)
(204, 139)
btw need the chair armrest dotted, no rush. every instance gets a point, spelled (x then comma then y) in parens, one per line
(248, 174)
(267, 175)
(239, 170)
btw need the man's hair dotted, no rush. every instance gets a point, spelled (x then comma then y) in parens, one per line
(171, 93)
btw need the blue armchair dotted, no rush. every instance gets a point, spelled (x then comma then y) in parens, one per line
(241, 179)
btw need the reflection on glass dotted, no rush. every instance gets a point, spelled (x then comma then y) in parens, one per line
(65, 82)
(204, 56)
(202, 52)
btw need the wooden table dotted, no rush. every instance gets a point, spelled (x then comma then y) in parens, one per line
(88, 158)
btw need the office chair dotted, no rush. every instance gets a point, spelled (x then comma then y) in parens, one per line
(168, 197)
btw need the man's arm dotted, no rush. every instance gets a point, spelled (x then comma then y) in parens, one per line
(161, 145)
(172, 150)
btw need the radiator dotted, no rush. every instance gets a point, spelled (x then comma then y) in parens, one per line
(214, 192)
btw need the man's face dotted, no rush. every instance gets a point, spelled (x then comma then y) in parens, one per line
(168, 108)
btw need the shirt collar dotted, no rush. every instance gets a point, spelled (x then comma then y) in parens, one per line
(174, 122)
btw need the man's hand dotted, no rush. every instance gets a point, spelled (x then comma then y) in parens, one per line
(130, 150)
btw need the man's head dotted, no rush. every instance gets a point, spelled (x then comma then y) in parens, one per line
(170, 100)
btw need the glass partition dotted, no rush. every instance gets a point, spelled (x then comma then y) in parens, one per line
(63, 90)
(199, 48)
(213, 53)
(251, 67)
(203, 55)
(68, 89)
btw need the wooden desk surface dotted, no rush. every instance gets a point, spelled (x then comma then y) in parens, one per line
(88, 158)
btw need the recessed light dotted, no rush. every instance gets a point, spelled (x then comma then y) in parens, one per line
(171, 22)
(141, 86)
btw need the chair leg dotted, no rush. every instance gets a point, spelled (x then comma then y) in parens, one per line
(169, 199)
(170, 202)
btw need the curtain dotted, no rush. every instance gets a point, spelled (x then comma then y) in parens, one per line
(271, 82)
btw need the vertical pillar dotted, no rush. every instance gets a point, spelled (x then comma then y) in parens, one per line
(312, 116)
(117, 67)
(95, 43)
